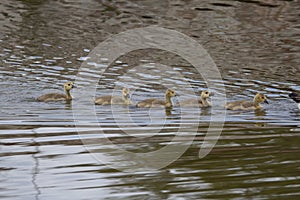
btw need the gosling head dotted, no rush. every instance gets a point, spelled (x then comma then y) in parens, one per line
(170, 93)
(68, 86)
(125, 92)
(205, 94)
(260, 98)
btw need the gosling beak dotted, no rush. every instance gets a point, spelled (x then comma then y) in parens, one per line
(266, 101)
(74, 86)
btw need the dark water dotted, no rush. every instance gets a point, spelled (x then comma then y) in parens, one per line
(255, 45)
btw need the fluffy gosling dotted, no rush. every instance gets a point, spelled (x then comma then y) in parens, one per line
(114, 100)
(202, 103)
(248, 105)
(153, 102)
(58, 96)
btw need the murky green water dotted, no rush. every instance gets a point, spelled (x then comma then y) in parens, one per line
(255, 45)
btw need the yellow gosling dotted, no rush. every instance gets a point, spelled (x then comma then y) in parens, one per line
(153, 102)
(58, 96)
(114, 100)
(248, 105)
(202, 103)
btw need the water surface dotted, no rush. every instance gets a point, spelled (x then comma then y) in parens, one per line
(255, 45)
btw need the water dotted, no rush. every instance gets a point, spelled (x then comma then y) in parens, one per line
(255, 45)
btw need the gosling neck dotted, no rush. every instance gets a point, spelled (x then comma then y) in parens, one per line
(205, 102)
(68, 94)
(255, 101)
(126, 99)
(256, 104)
(168, 101)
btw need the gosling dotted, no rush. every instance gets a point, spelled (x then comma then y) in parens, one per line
(248, 105)
(153, 102)
(202, 103)
(59, 96)
(295, 97)
(110, 100)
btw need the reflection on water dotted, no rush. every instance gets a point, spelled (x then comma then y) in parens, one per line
(255, 44)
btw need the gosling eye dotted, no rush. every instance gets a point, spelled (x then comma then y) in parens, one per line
(69, 84)
(206, 92)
